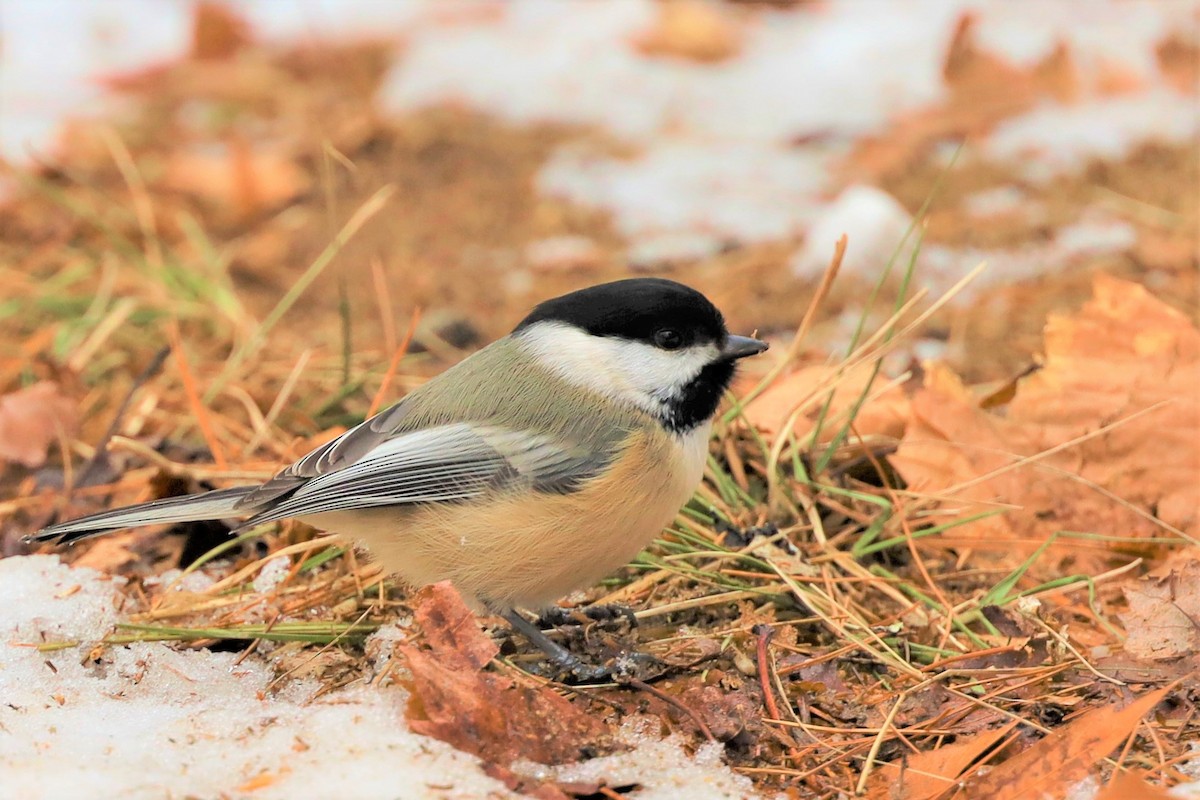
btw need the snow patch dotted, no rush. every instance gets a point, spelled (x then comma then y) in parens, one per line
(1072, 246)
(1055, 139)
(797, 74)
(661, 767)
(721, 189)
(272, 574)
(149, 721)
(875, 223)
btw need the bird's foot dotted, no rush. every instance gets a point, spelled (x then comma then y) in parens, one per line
(625, 666)
(556, 616)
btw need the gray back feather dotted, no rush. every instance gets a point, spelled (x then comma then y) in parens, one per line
(495, 420)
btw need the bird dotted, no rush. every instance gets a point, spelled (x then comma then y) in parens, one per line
(533, 467)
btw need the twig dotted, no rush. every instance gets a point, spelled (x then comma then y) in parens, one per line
(87, 474)
(671, 701)
(764, 633)
(1065, 642)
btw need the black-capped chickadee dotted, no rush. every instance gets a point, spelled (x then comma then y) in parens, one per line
(534, 467)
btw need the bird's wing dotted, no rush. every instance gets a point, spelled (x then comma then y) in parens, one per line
(437, 464)
(335, 454)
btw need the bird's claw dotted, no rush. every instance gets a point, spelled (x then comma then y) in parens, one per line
(555, 616)
(626, 666)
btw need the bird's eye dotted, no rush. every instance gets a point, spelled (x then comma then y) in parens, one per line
(668, 339)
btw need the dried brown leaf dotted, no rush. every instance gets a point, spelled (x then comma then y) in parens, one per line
(1128, 786)
(927, 775)
(451, 630)
(217, 31)
(726, 714)
(1123, 353)
(1132, 671)
(1179, 61)
(885, 412)
(694, 30)
(109, 555)
(1163, 620)
(488, 715)
(32, 418)
(236, 177)
(1052, 766)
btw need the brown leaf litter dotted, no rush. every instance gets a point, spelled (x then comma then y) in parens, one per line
(1104, 438)
(929, 775)
(982, 89)
(31, 419)
(803, 394)
(1163, 620)
(1052, 766)
(499, 718)
(693, 30)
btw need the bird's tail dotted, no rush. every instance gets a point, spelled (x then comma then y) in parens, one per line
(209, 505)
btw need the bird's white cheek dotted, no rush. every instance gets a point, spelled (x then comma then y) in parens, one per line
(626, 370)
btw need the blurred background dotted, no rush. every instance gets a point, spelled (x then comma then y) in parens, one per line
(287, 182)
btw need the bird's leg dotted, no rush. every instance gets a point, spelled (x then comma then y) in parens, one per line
(555, 616)
(562, 658)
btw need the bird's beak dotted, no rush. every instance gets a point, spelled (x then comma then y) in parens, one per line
(742, 346)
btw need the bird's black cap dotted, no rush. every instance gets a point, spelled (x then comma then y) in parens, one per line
(635, 309)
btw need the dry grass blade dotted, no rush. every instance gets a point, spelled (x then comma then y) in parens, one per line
(810, 314)
(199, 410)
(258, 338)
(386, 384)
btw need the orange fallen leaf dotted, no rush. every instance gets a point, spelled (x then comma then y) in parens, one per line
(927, 775)
(1178, 60)
(982, 89)
(236, 176)
(1124, 352)
(1126, 361)
(1052, 766)
(1163, 620)
(885, 411)
(692, 29)
(491, 716)
(1128, 786)
(949, 441)
(217, 32)
(32, 418)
